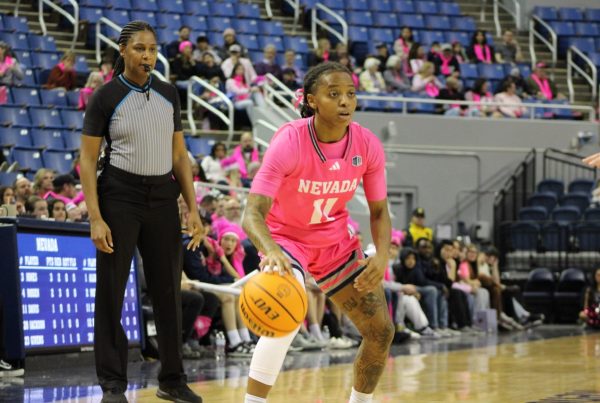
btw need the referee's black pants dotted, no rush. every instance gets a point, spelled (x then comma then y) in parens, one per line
(140, 211)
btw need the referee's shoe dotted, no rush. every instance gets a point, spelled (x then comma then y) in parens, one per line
(178, 394)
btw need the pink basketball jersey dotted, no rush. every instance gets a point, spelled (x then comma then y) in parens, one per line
(311, 193)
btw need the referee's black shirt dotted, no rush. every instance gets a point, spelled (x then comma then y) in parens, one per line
(137, 124)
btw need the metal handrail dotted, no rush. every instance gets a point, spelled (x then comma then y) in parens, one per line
(515, 14)
(100, 37)
(191, 98)
(73, 19)
(17, 5)
(276, 90)
(295, 4)
(316, 21)
(405, 101)
(552, 44)
(268, 125)
(591, 78)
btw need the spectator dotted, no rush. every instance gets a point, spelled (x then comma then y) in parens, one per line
(394, 76)
(426, 82)
(10, 69)
(208, 206)
(515, 76)
(509, 50)
(383, 54)
(452, 92)
(233, 178)
(479, 51)
(591, 303)
(229, 39)
(459, 52)
(289, 79)
(64, 189)
(63, 75)
(445, 62)
(403, 45)
(106, 69)
(347, 62)
(371, 79)
(42, 182)
(7, 195)
(95, 80)
(417, 229)
(37, 207)
(212, 163)
(57, 210)
(253, 168)
(202, 47)
(434, 51)
(509, 96)
(290, 62)
(541, 86)
(416, 58)
(235, 58)
(184, 66)
(208, 68)
(173, 48)
(269, 64)
(245, 96)
(482, 96)
(341, 50)
(22, 188)
(321, 53)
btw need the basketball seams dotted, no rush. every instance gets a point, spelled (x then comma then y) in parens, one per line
(257, 317)
(276, 300)
(300, 292)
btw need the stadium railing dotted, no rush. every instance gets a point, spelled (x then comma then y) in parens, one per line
(72, 18)
(321, 23)
(535, 32)
(589, 71)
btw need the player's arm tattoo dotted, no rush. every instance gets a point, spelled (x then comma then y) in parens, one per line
(254, 224)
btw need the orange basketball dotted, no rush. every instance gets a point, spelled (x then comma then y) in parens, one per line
(273, 305)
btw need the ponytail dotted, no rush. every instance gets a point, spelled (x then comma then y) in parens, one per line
(311, 79)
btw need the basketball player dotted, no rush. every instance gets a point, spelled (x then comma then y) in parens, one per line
(296, 216)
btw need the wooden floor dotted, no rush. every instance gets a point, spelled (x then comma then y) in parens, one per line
(521, 372)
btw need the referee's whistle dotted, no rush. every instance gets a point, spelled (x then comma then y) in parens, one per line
(147, 68)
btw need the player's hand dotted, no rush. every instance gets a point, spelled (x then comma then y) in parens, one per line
(593, 160)
(101, 235)
(195, 229)
(372, 275)
(275, 261)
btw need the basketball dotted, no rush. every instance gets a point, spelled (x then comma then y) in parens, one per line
(273, 305)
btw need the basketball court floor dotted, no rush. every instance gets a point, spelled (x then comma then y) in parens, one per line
(546, 364)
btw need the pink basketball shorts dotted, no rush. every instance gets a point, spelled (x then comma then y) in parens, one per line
(333, 267)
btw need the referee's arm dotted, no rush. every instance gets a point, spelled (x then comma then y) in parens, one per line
(182, 169)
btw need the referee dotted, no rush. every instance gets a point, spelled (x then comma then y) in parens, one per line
(134, 203)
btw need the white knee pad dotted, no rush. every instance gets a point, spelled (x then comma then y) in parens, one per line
(271, 351)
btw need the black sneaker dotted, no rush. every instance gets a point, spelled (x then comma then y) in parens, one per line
(113, 397)
(7, 370)
(178, 394)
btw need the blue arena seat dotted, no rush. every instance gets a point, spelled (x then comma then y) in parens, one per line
(361, 18)
(563, 28)
(222, 9)
(362, 5)
(461, 37)
(7, 178)
(15, 24)
(246, 27)
(387, 20)
(197, 21)
(41, 43)
(547, 200)
(449, 8)
(592, 214)
(272, 28)
(592, 14)
(555, 237)
(586, 29)
(568, 295)
(171, 6)
(57, 97)
(271, 40)
(43, 117)
(358, 34)
(439, 22)
(72, 140)
(14, 116)
(199, 146)
(72, 119)
(145, 5)
(219, 24)
(60, 161)
(463, 24)
(15, 136)
(297, 43)
(29, 158)
(247, 11)
(148, 16)
(196, 8)
(403, 6)
(570, 14)
(491, 71)
(426, 7)
(18, 41)
(533, 213)
(587, 235)
(47, 138)
(119, 17)
(552, 185)
(579, 200)
(91, 15)
(545, 13)
(119, 4)
(411, 20)
(385, 6)
(171, 21)
(538, 294)
(334, 4)
(582, 186)
(251, 42)
(429, 37)
(24, 58)
(469, 71)
(25, 96)
(381, 35)
(524, 235)
(566, 214)
(44, 61)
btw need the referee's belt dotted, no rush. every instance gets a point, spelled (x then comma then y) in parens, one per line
(137, 179)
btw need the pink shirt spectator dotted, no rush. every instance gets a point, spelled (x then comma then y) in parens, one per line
(311, 182)
(74, 202)
(84, 96)
(238, 157)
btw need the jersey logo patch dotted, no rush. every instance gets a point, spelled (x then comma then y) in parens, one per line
(335, 167)
(356, 161)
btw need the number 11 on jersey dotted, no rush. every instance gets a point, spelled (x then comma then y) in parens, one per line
(322, 208)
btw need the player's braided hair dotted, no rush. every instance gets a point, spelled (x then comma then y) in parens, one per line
(312, 78)
(126, 34)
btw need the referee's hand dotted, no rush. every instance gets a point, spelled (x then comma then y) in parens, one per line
(101, 236)
(195, 229)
